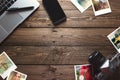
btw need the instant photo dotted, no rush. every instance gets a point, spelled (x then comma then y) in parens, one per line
(15, 75)
(6, 65)
(101, 7)
(83, 72)
(82, 5)
(114, 38)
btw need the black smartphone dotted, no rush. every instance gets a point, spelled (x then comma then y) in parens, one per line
(54, 11)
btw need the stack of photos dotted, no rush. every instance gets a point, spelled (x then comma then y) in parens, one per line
(82, 5)
(99, 6)
(6, 65)
(7, 68)
(114, 38)
(83, 72)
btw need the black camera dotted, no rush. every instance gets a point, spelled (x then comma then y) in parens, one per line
(97, 60)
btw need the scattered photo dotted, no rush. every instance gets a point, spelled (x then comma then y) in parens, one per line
(114, 38)
(82, 5)
(101, 7)
(6, 65)
(83, 72)
(15, 75)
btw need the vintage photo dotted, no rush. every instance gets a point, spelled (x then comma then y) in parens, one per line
(15, 75)
(101, 7)
(82, 5)
(6, 65)
(114, 38)
(83, 72)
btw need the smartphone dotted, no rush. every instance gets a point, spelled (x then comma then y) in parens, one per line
(54, 11)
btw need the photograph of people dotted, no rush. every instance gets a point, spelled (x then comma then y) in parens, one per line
(100, 4)
(14, 75)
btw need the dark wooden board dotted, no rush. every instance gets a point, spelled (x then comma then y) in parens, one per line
(47, 52)
(75, 18)
(54, 54)
(59, 36)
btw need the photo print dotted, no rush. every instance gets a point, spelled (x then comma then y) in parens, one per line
(114, 38)
(101, 7)
(6, 65)
(15, 75)
(82, 5)
(83, 72)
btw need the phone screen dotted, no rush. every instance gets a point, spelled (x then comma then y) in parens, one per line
(54, 10)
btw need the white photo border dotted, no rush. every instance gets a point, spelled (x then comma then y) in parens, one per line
(80, 8)
(103, 11)
(109, 37)
(18, 72)
(13, 67)
(79, 65)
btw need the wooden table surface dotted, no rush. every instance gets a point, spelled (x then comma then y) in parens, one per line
(46, 52)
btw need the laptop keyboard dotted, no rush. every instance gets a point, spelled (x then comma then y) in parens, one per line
(5, 4)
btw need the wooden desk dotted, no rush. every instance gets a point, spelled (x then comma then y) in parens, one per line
(37, 42)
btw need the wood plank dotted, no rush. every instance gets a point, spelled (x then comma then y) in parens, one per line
(54, 54)
(62, 3)
(52, 72)
(75, 21)
(114, 4)
(75, 18)
(59, 36)
(45, 52)
(48, 72)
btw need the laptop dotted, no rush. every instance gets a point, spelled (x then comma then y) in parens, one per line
(9, 20)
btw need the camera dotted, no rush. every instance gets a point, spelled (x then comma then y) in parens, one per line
(103, 68)
(96, 59)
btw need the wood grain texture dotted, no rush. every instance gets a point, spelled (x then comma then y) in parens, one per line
(59, 36)
(54, 54)
(54, 72)
(47, 52)
(75, 18)
(48, 72)
(51, 72)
